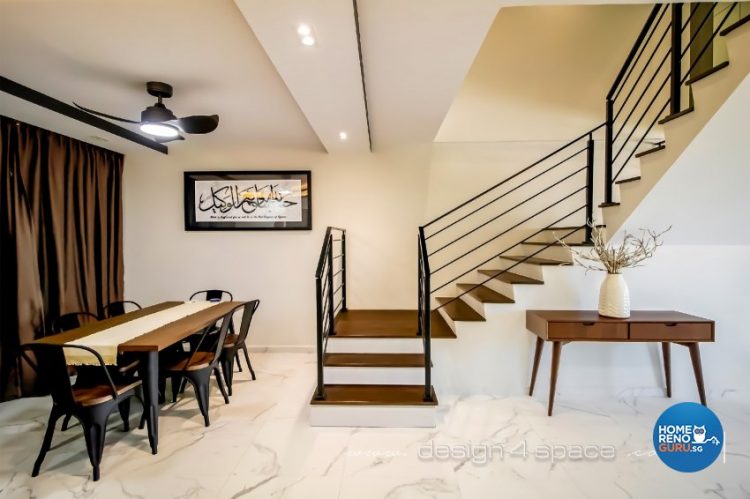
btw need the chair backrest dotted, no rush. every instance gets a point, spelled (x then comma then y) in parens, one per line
(118, 308)
(72, 320)
(217, 338)
(213, 294)
(52, 370)
(247, 316)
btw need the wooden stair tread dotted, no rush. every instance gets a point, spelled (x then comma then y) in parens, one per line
(393, 395)
(660, 146)
(676, 115)
(534, 260)
(608, 205)
(556, 243)
(374, 360)
(387, 324)
(510, 277)
(581, 227)
(626, 180)
(484, 294)
(708, 73)
(734, 26)
(459, 310)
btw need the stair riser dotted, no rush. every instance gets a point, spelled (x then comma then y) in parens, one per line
(374, 375)
(534, 271)
(374, 345)
(501, 287)
(372, 416)
(477, 305)
(553, 252)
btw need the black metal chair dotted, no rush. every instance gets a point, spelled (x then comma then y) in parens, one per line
(199, 364)
(72, 320)
(86, 375)
(90, 404)
(213, 295)
(234, 342)
(118, 308)
(217, 295)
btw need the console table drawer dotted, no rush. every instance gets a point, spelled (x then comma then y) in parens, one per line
(587, 331)
(680, 331)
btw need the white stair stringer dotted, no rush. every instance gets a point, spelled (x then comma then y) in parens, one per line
(709, 95)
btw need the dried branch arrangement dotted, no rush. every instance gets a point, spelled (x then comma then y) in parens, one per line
(631, 252)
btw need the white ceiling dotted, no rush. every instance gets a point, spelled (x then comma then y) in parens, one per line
(100, 53)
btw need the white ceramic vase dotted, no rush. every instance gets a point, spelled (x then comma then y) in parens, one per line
(614, 297)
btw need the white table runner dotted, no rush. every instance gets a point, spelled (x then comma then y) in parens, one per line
(106, 341)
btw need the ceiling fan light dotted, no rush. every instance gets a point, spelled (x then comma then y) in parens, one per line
(159, 130)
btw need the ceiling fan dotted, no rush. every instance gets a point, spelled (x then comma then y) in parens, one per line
(161, 123)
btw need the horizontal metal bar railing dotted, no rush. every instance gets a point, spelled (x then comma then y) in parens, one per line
(496, 199)
(506, 180)
(514, 265)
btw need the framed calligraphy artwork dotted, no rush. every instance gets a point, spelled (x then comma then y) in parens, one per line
(254, 200)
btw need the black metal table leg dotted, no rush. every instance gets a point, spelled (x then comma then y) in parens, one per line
(149, 368)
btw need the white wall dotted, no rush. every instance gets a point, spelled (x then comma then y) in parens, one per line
(379, 198)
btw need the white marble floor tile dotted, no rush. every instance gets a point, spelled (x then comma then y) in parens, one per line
(261, 446)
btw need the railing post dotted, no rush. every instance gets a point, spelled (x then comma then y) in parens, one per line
(589, 187)
(675, 75)
(419, 285)
(425, 311)
(343, 271)
(608, 146)
(320, 393)
(331, 311)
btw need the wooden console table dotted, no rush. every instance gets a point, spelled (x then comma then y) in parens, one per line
(563, 326)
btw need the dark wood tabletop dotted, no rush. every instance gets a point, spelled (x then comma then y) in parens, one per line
(96, 327)
(169, 334)
(635, 316)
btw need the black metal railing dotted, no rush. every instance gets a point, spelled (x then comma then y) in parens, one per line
(559, 187)
(649, 89)
(567, 174)
(330, 295)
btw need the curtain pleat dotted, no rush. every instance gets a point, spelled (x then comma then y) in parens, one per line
(61, 237)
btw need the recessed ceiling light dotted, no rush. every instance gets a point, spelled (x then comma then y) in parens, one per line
(308, 40)
(304, 30)
(343, 136)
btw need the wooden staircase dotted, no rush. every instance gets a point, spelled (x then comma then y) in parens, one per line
(377, 367)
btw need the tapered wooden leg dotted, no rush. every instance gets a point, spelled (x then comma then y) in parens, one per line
(695, 357)
(667, 355)
(556, 349)
(535, 367)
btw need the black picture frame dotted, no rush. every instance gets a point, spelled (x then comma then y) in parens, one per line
(228, 200)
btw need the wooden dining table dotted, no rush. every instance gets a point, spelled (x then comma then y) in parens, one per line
(147, 346)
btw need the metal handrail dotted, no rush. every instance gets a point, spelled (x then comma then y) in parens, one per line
(325, 295)
(506, 180)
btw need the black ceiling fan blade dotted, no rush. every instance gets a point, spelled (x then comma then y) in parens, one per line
(104, 115)
(163, 140)
(198, 124)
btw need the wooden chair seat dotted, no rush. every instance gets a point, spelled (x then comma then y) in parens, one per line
(231, 340)
(200, 360)
(94, 395)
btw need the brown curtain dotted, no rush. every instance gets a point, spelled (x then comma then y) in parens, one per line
(60, 237)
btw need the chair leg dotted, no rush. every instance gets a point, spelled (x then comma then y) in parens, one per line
(219, 382)
(176, 382)
(183, 384)
(227, 367)
(54, 415)
(162, 389)
(94, 431)
(124, 408)
(201, 386)
(237, 359)
(247, 359)
(66, 422)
